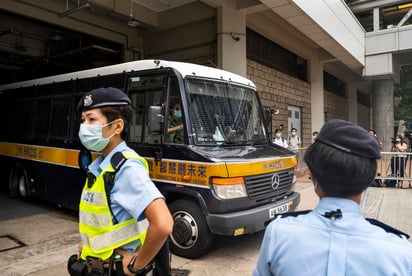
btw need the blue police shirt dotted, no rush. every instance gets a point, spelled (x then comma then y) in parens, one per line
(312, 244)
(133, 190)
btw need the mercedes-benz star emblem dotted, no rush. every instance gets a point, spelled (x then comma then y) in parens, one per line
(275, 181)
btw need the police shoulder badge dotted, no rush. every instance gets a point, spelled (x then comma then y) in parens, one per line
(88, 100)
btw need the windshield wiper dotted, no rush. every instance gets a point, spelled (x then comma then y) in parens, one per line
(255, 141)
(227, 143)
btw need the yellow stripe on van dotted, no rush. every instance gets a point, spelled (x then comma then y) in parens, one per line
(198, 173)
(179, 172)
(51, 155)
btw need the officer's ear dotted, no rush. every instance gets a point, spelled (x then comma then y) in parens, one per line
(118, 126)
(316, 186)
(314, 181)
(310, 176)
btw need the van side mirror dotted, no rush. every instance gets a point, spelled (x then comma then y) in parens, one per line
(154, 124)
(269, 111)
(268, 116)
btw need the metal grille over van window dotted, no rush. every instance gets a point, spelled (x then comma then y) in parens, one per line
(224, 113)
(263, 186)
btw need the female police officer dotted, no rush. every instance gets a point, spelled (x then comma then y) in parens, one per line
(131, 218)
(334, 238)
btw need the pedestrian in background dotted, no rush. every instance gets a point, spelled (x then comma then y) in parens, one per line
(279, 139)
(294, 140)
(335, 238)
(314, 135)
(373, 133)
(398, 161)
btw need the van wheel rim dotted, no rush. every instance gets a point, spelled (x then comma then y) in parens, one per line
(185, 230)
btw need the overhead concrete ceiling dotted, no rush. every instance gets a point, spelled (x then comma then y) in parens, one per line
(305, 24)
(162, 5)
(30, 48)
(15, 39)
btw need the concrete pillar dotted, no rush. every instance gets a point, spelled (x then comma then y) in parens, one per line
(231, 38)
(352, 95)
(376, 20)
(317, 94)
(383, 111)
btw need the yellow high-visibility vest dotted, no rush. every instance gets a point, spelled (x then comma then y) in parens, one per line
(99, 235)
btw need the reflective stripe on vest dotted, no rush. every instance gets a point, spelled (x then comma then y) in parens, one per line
(98, 220)
(98, 233)
(104, 241)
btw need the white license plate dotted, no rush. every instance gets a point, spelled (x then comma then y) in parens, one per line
(278, 210)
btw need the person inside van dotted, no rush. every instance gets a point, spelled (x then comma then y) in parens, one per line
(175, 125)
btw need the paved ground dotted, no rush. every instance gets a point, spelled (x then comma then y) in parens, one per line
(49, 235)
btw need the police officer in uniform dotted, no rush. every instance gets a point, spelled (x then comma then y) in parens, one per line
(123, 226)
(334, 238)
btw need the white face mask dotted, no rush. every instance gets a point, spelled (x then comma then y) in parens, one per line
(92, 138)
(277, 135)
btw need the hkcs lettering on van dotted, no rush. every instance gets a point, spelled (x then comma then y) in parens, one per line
(30, 152)
(274, 165)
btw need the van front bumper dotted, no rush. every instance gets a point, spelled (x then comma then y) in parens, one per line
(252, 220)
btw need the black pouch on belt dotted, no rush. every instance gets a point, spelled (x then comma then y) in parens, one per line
(95, 266)
(75, 266)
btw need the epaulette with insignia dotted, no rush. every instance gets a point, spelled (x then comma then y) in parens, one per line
(387, 228)
(292, 214)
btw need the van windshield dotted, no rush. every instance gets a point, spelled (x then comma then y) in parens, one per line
(222, 113)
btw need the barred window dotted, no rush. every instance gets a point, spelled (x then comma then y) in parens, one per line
(265, 51)
(334, 85)
(363, 98)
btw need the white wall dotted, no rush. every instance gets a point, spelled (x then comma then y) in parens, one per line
(339, 22)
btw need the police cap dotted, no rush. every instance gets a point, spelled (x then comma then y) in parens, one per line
(101, 97)
(350, 138)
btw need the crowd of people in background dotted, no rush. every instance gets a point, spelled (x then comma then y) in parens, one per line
(401, 144)
(293, 141)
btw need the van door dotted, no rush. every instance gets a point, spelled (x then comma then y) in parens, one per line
(144, 91)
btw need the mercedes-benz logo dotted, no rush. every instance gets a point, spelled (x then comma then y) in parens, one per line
(275, 181)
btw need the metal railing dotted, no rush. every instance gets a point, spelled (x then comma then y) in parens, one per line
(394, 168)
(301, 164)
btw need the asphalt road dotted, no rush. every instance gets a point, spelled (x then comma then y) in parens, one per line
(37, 239)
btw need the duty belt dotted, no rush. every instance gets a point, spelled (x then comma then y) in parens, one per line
(95, 266)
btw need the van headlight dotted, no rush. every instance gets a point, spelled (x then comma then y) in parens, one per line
(228, 188)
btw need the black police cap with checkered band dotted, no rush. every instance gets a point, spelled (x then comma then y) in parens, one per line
(101, 97)
(350, 138)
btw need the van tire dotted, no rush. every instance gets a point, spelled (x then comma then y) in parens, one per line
(191, 237)
(13, 184)
(23, 186)
(18, 187)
